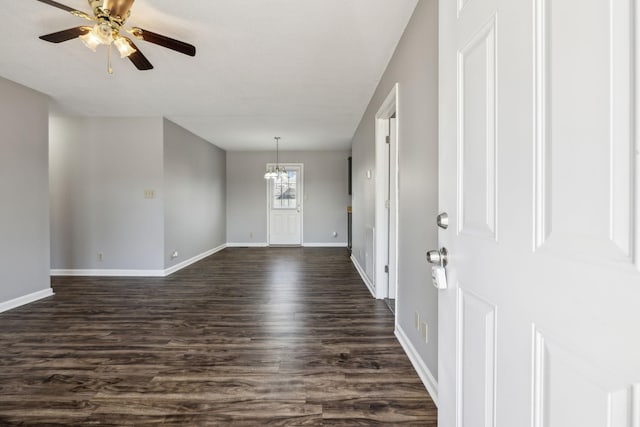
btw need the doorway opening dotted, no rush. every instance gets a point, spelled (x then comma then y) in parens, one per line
(386, 203)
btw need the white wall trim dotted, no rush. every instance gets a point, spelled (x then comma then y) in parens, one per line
(421, 368)
(363, 276)
(193, 260)
(138, 273)
(25, 299)
(108, 273)
(325, 245)
(248, 245)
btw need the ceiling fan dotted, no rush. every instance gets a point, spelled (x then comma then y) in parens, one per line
(109, 17)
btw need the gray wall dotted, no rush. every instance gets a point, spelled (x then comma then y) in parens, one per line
(194, 195)
(414, 66)
(24, 191)
(100, 168)
(325, 195)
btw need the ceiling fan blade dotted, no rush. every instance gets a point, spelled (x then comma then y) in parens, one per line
(168, 42)
(139, 60)
(68, 9)
(64, 35)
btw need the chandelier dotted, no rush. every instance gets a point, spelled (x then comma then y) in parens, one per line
(277, 172)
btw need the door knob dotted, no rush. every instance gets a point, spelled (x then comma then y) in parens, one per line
(438, 257)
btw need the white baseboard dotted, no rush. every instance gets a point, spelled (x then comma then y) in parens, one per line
(26, 299)
(364, 277)
(247, 245)
(325, 245)
(421, 368)
(193, 260)
(307, 245)
(109, 273)
(138, 273)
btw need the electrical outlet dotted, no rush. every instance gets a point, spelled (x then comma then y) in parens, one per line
(416, 317)
(425, 332)
(100, 256)
(251, 234)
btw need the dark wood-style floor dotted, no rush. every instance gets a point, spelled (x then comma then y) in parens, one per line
(246, 337)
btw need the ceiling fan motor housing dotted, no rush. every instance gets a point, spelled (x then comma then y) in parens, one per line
(116, 12)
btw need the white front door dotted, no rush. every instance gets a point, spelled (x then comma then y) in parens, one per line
(284, 199)
(540, 325)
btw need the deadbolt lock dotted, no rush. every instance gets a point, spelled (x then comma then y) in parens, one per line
(443, 220)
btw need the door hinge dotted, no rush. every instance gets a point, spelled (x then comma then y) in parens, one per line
(386, 268)
(388, 139)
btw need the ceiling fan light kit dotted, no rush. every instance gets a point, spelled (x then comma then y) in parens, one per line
(110, 16)
(99, 34)
(123, 47)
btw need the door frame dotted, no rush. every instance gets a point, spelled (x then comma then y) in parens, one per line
(301, 201)
(388, 108)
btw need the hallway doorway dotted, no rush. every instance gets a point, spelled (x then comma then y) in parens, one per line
(386, 212)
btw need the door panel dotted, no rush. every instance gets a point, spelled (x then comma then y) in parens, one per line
(477, 138)
(595, 402)
(538, 175)
(285, 228)
(477, 359)
(588, 115)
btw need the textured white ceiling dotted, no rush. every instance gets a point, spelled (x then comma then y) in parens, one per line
(301, 69)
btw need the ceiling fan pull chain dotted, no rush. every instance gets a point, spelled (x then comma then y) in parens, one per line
(109, 69)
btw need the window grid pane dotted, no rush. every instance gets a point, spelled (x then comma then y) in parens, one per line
(284, 192)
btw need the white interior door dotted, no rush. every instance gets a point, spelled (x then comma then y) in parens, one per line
(285, 207)
(392, 210)
(539, 325)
